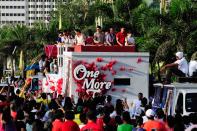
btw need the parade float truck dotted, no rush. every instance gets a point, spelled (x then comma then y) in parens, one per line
(176, 98)
(116, 71)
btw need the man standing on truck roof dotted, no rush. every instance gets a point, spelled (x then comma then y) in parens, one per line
(179, 67)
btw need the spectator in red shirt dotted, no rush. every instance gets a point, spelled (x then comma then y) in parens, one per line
(13, 111)
(91, 125)
(90, 38)
(120, 37)
(57, 124)
(69, 124)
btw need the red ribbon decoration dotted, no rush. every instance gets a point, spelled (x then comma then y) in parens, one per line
(113, 72)
(139, 60)
(113, 89)
(99, 59)
(52, 88)
(123, 90)
(122, 68)
(40, 83)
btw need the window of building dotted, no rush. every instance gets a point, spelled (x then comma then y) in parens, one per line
(179, 105)
(122, 81)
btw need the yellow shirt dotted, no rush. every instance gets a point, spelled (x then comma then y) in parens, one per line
(44, 101)
(77, 119)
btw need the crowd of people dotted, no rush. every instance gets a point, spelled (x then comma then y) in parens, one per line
(100, 37)
(35, 111)
(46, 112)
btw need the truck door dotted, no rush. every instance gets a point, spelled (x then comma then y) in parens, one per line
(179, 104)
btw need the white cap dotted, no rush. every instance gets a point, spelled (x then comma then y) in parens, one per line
(179, 55)
(150, 113)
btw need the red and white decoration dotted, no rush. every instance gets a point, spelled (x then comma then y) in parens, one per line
(53, 83)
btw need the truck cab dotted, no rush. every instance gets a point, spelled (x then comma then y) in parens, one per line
(176, 98)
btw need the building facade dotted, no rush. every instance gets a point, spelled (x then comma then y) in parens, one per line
(25, 11)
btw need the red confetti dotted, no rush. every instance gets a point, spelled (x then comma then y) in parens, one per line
(122, 68)
(52, 88)
(123, 90)
(99, 59)
(113, 72)
(139, 60)
(130, 69)
(113, 89)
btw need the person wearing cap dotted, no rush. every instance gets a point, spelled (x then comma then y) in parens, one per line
(179, 67)
(152, 124)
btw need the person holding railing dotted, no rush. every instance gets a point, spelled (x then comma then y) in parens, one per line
(79, 38)
(99, 36)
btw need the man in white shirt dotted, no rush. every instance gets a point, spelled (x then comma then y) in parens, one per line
(178, 68)
(42, 63)
(136, 105)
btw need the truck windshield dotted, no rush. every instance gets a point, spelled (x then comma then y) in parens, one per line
(191, 102)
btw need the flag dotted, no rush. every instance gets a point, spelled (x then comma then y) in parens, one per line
(60, 20)
(21, 61)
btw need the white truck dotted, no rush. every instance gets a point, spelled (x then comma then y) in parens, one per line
(119, 71)
(125, 73)
(176, 97)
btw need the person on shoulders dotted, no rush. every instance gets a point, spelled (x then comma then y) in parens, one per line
(91, 125)
(179, 67)
(69, 124)
(121, 36)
